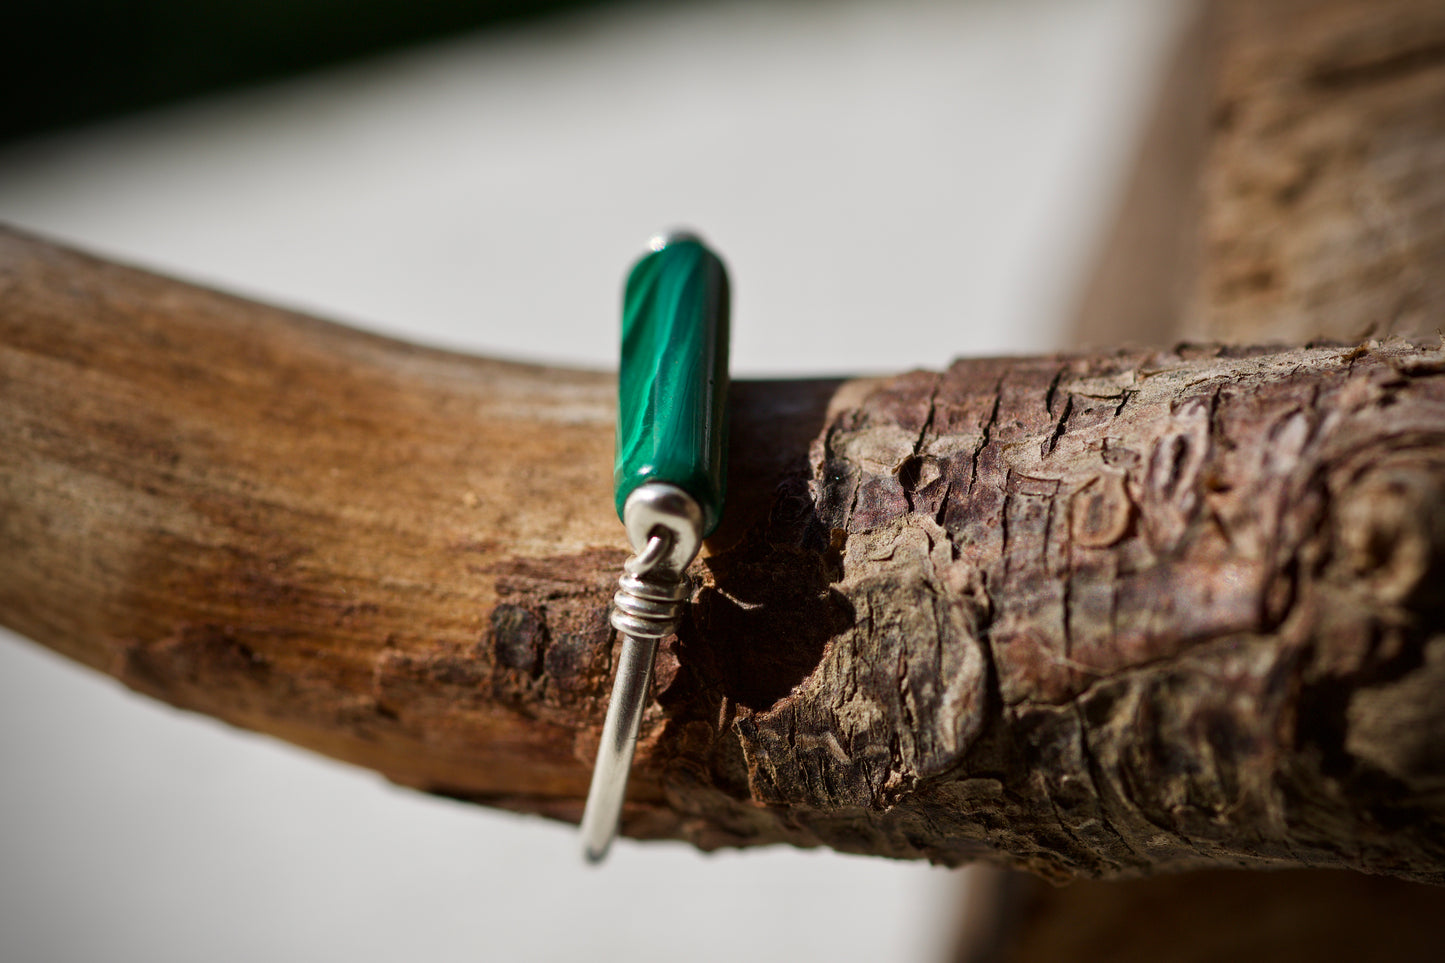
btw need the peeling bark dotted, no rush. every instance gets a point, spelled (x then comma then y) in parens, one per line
(1093, 616)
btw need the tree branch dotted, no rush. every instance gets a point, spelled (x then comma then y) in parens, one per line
(1093, 615)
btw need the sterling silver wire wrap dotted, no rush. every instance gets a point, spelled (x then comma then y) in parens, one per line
(664, 525)
(648, 603)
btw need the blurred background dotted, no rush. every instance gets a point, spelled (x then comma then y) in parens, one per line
(892, 185)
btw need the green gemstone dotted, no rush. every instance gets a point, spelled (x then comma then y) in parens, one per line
(673, 381)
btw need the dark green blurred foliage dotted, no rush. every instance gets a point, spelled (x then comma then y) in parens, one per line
(67, 61)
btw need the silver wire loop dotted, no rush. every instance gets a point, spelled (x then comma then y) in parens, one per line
(657, 508)
(647, 559)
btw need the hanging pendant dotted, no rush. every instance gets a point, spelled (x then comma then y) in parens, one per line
(668, 479)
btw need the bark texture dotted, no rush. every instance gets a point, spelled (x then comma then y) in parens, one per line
(1291, 184)
(1287, 187)
(1329, 123)
(1092, 616)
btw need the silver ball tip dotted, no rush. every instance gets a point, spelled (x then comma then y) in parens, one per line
(662, 239)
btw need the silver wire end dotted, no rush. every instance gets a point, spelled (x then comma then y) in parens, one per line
(619, 741)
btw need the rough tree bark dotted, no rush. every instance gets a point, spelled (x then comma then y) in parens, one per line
(1288, 187)
(1099, 615)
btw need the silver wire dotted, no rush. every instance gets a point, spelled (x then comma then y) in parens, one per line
(619, 742)
(650, 556)
(664, 525)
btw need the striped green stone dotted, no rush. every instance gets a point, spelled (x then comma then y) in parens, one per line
(673, 379)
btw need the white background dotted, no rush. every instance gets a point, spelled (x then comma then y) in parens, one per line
(891, 184)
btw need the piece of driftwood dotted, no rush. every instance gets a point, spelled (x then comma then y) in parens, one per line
(1095, 616)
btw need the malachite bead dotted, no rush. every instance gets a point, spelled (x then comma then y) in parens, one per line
(673, 379)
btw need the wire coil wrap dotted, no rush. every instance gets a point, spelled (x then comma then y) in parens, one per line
(649, 599)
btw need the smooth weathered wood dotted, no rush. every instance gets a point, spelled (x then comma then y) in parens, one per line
(1094, 616)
